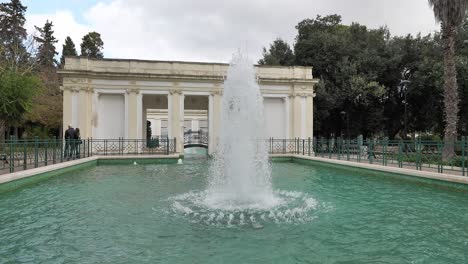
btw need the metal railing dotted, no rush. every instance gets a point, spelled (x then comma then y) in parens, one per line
(18, 155)
(23, 154)
(196, 137)
(411, 154)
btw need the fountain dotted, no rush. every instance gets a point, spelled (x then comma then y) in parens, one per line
(240, 174)
(239, 190)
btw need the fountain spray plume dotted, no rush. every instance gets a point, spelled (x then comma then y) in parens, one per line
(240, 174)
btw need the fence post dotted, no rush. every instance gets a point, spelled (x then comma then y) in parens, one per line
(309, 145)
(167, 145)
(347, 145)
(46, 157)
(105, 147)
(400, 154)
(418, 153)
(12, 164)
(303, 147)
(464, 145)
(25, 155)
(91, 141)
(339, 148)
(54, 153)
(36, 154)
(371, 154)
(384, 154)
(61, 149)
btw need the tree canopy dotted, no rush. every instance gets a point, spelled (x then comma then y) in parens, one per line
(280, 53)
(12, 31)
(68, 49)
(92, 46)
(360, 72)
(46, 50)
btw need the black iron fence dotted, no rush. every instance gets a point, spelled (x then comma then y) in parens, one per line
(18, 155)
(196, 137)
(417, 154)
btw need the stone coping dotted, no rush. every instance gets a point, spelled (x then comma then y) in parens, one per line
(409, 172)
(5, 178)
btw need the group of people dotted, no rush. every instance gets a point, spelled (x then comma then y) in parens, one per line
(72, 143)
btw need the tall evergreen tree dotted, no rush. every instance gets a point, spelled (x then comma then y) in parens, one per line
(451, 14)
(68, 49)
(46, 51)
(280, 53)
(92, 45)
(12, 31)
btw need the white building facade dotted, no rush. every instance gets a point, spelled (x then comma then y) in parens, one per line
(114, 98)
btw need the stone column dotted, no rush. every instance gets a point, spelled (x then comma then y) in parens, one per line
(297, 116)
(174, 119)
(84, 119)
(133, 114)
(67, 107)
(214, 119)
(310, 116)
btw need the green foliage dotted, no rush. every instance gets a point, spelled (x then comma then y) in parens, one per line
(280, 53)
(361, 72)
(40, 132)
(46, 41)
(16, 93)
(68, 49)
(92, 46)
(12, 31)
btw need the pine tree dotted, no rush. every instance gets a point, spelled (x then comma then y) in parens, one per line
(280, 53)
(46, 51)
(12, 31)
(92, 46)
(68, 49)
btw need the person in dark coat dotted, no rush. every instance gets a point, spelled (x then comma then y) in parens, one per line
(77, 142)
(70, 136)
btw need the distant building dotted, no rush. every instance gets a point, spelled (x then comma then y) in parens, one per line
(113, 98)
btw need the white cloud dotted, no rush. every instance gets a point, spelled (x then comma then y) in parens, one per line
(64, 25)
(211, 30)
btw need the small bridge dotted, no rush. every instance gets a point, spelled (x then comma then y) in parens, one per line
(196, 139)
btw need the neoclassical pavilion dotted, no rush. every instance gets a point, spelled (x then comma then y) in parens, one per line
(114, 98)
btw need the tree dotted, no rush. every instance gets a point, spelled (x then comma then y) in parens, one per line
(17, 91)
(46, 41)
(68, 49)
(450, 13)
(349, 61)
(12, 31)
(46, 114)
(92, 45)
(280, 53)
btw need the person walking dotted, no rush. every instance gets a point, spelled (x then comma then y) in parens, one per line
(69, 137)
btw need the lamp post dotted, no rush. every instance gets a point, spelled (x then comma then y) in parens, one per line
(345, 115)
(404, 89)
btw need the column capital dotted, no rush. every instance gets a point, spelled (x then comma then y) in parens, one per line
(132, 90)
(217, 92)
(175, 91)
(73, 89)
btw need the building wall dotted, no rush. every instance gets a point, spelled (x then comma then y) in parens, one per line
(275, 117)
(288, 93)
(111, 121)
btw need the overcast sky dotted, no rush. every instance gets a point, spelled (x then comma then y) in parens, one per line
(211, 30)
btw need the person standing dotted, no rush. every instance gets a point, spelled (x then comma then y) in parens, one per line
(69, 137)
(77, 142)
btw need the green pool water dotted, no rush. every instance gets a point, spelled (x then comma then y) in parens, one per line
(124, 214)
